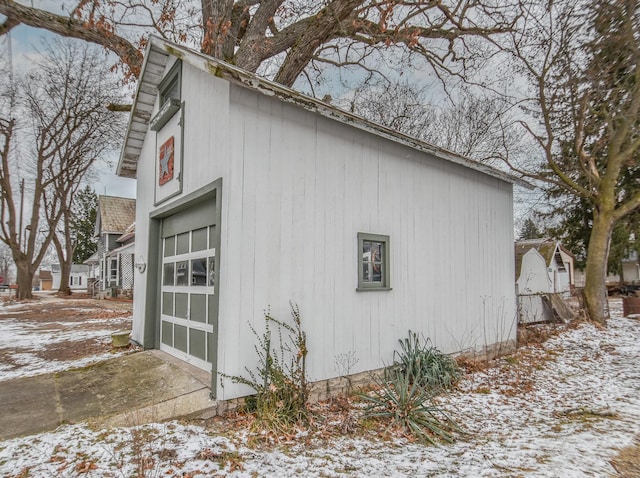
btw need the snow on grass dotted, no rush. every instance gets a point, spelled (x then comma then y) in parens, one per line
(23, 342)
(559, 410)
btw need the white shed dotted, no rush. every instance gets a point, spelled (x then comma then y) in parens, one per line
(559, 263)
(250, 195)
(532, 286)
(544, 273)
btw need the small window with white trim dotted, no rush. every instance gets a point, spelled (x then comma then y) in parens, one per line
(373, 262)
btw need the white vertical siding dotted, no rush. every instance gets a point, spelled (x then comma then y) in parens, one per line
(307, 186)
(297, 188)
(145, 184)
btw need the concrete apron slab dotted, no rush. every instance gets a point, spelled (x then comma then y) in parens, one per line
(125, 391)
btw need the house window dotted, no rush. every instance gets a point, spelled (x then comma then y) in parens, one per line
(75, 280)
(113, 271)
(373, 262)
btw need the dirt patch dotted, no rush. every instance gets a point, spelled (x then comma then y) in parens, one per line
(65, 351)
(65, 310)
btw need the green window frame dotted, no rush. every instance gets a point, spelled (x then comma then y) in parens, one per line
(374, 251)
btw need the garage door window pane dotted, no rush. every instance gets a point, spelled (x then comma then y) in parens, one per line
(183, 243)
(167, 333)
(168, 273)
(182, 305)
(182, 273)
(170, 246)
(212, 231)
(198, 310)
(212, 272)
(198, 344)
(199, 271)
(180, 337)
(212, 317)
(199, 239)
(167, 303)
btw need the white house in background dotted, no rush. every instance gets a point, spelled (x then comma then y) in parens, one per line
(78, 277)
(631, 268)
(113, 260)
(251, 195)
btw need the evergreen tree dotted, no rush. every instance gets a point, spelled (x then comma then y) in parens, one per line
(529, 230)
(83, 224)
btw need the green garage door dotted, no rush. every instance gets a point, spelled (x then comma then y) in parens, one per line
(188, 318)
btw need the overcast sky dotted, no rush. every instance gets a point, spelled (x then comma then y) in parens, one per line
(21, 52)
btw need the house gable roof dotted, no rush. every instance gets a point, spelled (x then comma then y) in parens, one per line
(115, 214)
(520, 255)
(155, 61)
(548, 248)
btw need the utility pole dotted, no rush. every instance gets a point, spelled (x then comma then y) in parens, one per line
(21, 209)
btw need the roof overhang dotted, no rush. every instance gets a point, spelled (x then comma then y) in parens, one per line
(129, 248)
(93, 259)
(126, 236)
(157, 57)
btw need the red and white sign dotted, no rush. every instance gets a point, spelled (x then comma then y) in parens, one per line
(165, 162)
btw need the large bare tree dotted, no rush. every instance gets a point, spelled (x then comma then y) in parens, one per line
(582, 60)
(470, 123)
(59, 115)
(286, 38)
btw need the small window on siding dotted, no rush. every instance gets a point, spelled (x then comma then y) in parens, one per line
(373, 262)
(170, 86)
(170, 93)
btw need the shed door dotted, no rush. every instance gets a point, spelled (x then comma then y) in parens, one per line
(187, 289)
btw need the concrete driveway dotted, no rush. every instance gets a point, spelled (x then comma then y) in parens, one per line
(57, 366)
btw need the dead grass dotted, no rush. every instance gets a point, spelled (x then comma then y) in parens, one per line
(65, 311)
(67, 351)
(627, 461)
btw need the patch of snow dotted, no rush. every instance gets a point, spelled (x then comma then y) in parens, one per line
(21, 341)
(558, 427)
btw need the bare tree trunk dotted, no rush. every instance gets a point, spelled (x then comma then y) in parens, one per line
(595, 287)
(65, 274)
(24, 279)
(66, 261)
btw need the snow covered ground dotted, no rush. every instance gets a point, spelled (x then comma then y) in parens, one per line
(52, 337)
(559, 410)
